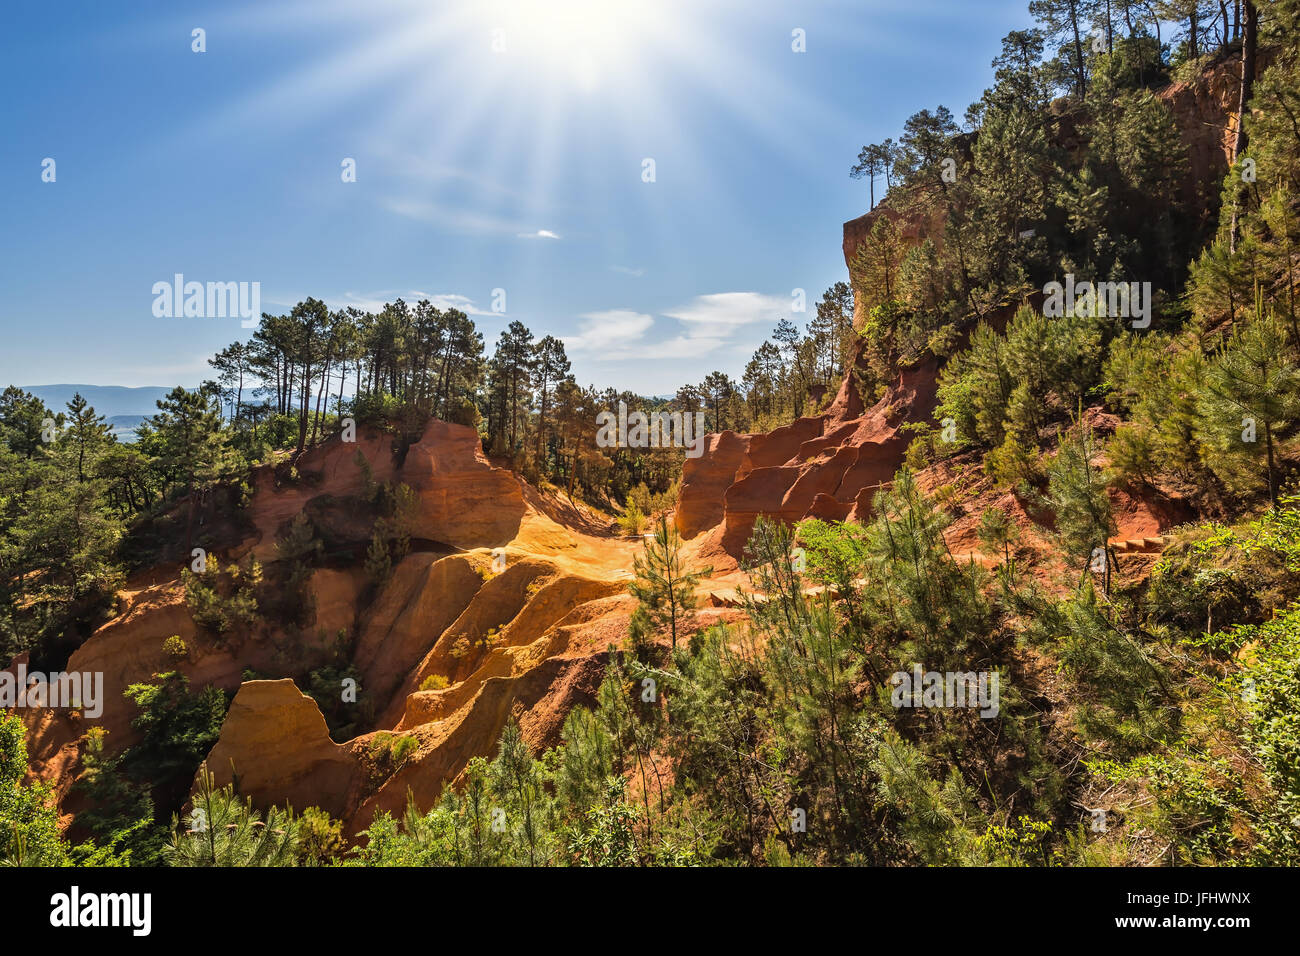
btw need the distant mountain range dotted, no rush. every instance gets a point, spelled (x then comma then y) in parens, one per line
(125, 408)
(108, 400)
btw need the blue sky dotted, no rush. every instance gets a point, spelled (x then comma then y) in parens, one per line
(518, 168)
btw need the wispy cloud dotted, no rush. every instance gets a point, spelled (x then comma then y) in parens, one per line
(704, 325)
(454, 219)
(375, 301)
(539, 234)
(721, 315)
(628, 271)
(610, 334)
(424, 173)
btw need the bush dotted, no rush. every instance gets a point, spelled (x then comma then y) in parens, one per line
(178, 727)
(320, 838)
(223, 602)
(29, 822)
(632, 520)
(390, 751)
(1013, 465)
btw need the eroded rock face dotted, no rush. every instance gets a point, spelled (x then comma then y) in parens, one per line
(275, 747)
(711, 475)
(463, 502)
(1206, 115)
(420, 600)
(462, 499)
(824, 466)
(551, 659)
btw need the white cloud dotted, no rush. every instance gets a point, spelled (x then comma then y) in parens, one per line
(625, 270)
(375, 301)
(721, 315)
(455, 219)
(704, 326)
(615, 333)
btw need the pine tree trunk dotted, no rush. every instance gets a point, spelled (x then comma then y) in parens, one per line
(1242, 139)
(1268, 441)
(1078, 50)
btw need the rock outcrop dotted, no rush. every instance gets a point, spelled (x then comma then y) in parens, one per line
(822, 466)
(276, 749)
(462, 500)
(505, 608)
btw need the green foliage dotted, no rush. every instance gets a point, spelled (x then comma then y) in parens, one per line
(664, 587)
(632, 520)
(223, 601)
(1230, 791)
(999, 534)
(1022, 844)
(299, 551)
(1022, 382)
(609, 838)
(1014, 464)
(177, 728)
(1217, 575)
(344, 716)
(1078, 499)
(223, 830)
(1121, 696)
(1252, 392)
(61, 521)
(320, 839)
(379, 565)
(1156, 380)
(388, 753)
(29, 822)
(119, 809)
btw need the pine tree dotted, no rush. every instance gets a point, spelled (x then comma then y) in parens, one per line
(999, 532)
(119, 811)
(516, 780)
(1066, 19)
(551, 366)
(663, 586)
(86, 432)
(190, 446)
(1254, 382)
(876, 159)
(226, 831)
(1077, 496)
(22, 418)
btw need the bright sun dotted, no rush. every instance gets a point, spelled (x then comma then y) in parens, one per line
(582, 41)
